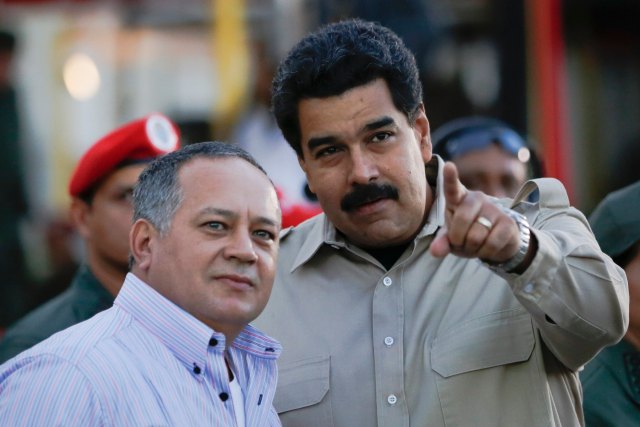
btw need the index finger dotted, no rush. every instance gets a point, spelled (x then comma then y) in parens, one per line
(454, 191)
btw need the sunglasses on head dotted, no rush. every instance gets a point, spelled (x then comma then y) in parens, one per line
(476, 139)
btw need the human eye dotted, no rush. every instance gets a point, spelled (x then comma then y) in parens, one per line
(326, 151)
(124, 195)
(381, 136)
(214, 225)
(265, 235)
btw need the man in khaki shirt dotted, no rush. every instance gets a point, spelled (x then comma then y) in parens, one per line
(413, 301)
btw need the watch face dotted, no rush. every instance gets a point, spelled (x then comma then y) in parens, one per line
(525, 237)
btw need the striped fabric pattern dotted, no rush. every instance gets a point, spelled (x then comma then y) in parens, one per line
(143, 362)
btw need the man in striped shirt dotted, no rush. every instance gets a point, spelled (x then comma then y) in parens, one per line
(176, 348)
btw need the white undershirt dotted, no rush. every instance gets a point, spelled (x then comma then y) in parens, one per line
(237, 397)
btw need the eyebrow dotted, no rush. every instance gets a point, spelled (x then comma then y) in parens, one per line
(231, 214)
(380, 123)
(327, 140)
(318, 142)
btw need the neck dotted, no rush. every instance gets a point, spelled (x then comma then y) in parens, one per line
(110, 274)
(230, 333)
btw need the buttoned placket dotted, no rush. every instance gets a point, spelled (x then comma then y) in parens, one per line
(215, 376)
(388, 312)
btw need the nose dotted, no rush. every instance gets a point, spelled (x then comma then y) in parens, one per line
(363, 167)
(241, 247)
(494, 189)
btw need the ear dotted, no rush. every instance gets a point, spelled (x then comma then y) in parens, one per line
(423, 133)
(80, 215)
(141, 243)
(303, 165)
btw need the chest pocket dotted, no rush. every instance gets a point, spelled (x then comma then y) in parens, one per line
(498, 339)
(486, 372)
(302, 395)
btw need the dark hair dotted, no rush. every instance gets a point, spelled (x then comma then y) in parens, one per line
(339, 57)
(157, 195)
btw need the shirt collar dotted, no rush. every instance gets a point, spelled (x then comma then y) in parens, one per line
(85, 280)
(324, 232)
(184, 335)
(95, 297)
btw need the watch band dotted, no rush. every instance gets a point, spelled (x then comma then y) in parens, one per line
(525, 238)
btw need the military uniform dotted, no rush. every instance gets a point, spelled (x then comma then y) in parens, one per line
(611, 382)
(84, 298)
(612, 387)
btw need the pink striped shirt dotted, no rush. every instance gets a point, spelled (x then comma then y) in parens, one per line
(145, 361)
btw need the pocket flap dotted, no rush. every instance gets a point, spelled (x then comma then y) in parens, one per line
(494, 340)
(302, 383)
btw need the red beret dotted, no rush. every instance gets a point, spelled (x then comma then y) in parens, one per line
(294, 213)
(141, 139)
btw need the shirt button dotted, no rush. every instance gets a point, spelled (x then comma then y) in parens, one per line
(528, 288)
(223, 396)
(196, 369)
(388, 341)
(392, 399)
(387, 281)
(213, 342)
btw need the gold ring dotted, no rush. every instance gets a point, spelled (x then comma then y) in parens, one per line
(484, 221)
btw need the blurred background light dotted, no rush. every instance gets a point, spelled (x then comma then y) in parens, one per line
(81, 77)
(524, 155)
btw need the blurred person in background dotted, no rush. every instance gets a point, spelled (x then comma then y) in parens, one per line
(13, 200)
(611, 382)
(100, 187)
(490, 156)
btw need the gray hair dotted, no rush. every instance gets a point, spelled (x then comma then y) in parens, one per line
(157, 194)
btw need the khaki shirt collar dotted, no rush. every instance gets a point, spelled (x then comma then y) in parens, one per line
(324, 232)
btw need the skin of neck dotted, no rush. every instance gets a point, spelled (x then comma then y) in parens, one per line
(110, 274)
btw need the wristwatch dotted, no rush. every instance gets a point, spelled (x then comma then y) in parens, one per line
(525, 238)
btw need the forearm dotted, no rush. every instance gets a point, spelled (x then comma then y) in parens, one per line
(576, 294)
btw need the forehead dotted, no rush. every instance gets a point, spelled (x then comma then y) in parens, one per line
(125, 176)
(229, 182)
(490, 160)
(347, 111)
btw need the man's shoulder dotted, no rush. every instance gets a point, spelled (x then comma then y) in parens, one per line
(292, 238)
(38, 325)
(77, 303)
(71, 342)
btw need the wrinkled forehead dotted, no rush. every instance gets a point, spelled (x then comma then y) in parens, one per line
(231, 182)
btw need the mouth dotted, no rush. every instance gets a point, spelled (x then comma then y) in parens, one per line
(370, 206)
(235, 281)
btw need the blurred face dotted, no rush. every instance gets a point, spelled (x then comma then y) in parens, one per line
(365, 163)
(492, 171)
(107, 221)
(217, 260)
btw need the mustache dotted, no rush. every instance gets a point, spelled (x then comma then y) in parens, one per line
(367, 193)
